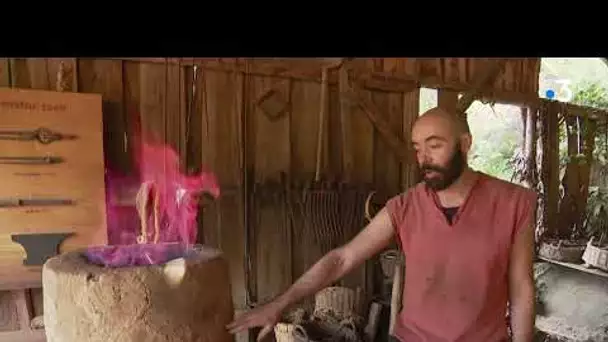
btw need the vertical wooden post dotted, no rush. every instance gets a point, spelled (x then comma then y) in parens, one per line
(589, 130)
(447, 99)
(5, 72)
(411, 109)
(530, 141)
(25, 311)
(550, 167)
(345, 123)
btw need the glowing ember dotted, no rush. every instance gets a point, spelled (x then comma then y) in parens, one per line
(136, 255)
(162, 226)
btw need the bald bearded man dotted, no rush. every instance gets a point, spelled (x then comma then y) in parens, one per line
(468, 241)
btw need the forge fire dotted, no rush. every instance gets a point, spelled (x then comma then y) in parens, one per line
(152, 282)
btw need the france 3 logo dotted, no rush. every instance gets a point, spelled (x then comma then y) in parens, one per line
(556, 88)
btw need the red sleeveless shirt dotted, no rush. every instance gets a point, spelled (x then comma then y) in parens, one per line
(456, 275)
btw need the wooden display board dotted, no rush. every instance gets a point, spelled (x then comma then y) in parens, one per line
(79, 177)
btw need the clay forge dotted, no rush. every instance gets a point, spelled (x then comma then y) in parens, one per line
(152, 282)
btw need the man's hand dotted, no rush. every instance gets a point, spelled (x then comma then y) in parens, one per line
(266, 316)
(331, 267)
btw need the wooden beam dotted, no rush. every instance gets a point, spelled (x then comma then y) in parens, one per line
(400, 82)
(307, 70)
(383, 81)
(483, 80)
(346, 123)
(532, 101)
(5, 72)
(550, 172)
(578, 267)
(279, 84)
(530, 144)
(16, 278)
(23, 336)
(447, 99)
(385, 128)
(25, 311)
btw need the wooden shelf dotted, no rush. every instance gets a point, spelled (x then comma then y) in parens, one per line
(23, 336)
(18, 278)
(579, 267)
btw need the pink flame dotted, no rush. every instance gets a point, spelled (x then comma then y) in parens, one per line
(178, 193)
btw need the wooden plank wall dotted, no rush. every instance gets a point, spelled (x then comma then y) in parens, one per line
(210, 117)
(520, 75)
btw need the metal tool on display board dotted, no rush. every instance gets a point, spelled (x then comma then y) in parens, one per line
(42, 135)
(27, 160)
(34, 202)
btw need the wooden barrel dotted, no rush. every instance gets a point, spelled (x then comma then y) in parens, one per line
(185, 299)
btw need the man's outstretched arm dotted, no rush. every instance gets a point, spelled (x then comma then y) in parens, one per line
(521, 285)
(334, 265)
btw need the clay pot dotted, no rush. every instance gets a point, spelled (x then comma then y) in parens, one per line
(596, 256)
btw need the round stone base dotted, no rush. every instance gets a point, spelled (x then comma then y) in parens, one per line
(186, 299)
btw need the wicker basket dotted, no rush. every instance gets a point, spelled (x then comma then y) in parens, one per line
(562, 251)
(317, 331)
(333, 330)
(596, 256)
(284, 332)
(338, 302)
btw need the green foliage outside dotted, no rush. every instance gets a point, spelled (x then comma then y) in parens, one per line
(498, 136)
(594, 95)
(498, 132)
(596, 221)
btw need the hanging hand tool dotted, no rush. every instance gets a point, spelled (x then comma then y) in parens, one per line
(31, 160)
(42, 135)
(33, 202)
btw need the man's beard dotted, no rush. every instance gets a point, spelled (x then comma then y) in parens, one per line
(446, 175)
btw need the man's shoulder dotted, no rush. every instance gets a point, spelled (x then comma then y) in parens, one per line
(505, 188)
(413, 190)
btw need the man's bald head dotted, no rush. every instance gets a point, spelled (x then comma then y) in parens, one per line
(442, 141)
(440, 115)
